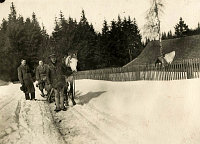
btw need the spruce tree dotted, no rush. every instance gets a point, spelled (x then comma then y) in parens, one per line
(181, 28)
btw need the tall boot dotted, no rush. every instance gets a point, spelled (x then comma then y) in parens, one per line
(66, 101)
(66, 94)
(62, 100)
(72, 93)
(27, 96)
(33, 96)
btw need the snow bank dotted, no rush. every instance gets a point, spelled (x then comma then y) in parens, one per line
(159, 111)
(143, 112)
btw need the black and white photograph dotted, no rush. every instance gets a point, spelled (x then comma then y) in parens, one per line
(100, 72)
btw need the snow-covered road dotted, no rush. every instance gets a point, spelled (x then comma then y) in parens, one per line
(25, 122)
(139, 112)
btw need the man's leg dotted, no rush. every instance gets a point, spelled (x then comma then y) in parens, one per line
(57, 100)
(72, 92)
(49, 95)
(47, 88)
(66, 95)
(42, 92)
(41, 87)
(27, 96)
(33, 96)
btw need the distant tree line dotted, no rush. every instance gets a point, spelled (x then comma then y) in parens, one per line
(117, 44)
(181, 30)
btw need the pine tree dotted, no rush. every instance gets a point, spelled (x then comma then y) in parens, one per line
(113, 45)
(169, 35)
(13, 14)
(104, 53)
(137, 40)
(105, 28)
(181, 28)
(164, 36)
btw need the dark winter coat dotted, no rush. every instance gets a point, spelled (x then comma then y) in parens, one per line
(41, 73)
(25, 78)
(56, 74)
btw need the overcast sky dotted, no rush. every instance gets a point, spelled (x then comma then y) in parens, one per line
(98, 10)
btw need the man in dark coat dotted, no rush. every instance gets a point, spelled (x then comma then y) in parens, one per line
(56, 78)
(41, 77)
(25, 78)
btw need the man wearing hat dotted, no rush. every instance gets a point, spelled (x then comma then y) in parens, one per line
(56, 78)
(25, 78)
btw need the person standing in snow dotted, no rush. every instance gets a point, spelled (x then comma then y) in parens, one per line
(56, 78)
(41, 77)
(25, 78)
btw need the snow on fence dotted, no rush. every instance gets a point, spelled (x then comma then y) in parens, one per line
(184, 69)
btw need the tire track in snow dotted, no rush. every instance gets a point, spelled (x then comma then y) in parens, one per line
(11, 95)
(41, 124)
(111, 128)
(50, 118)
(9, 115)
(96, 128)
(34, 124)
(7, 103)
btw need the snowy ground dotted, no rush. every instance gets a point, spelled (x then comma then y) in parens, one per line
(139, 112)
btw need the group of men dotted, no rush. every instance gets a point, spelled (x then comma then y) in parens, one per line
(51, 77)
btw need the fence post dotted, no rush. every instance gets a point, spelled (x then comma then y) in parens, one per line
(189, 70)
(185, 68)
(182, 70)
(170, 72)
(153, 72)
(161, 69)
(197, 65)
(196, 68)
(178, 74)
(147, 76)
(166, 73)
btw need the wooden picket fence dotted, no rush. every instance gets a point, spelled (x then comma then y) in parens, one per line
(184, 69)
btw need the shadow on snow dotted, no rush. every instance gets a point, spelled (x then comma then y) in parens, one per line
(84, 99)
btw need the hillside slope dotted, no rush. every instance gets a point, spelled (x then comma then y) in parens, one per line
(185, 48)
